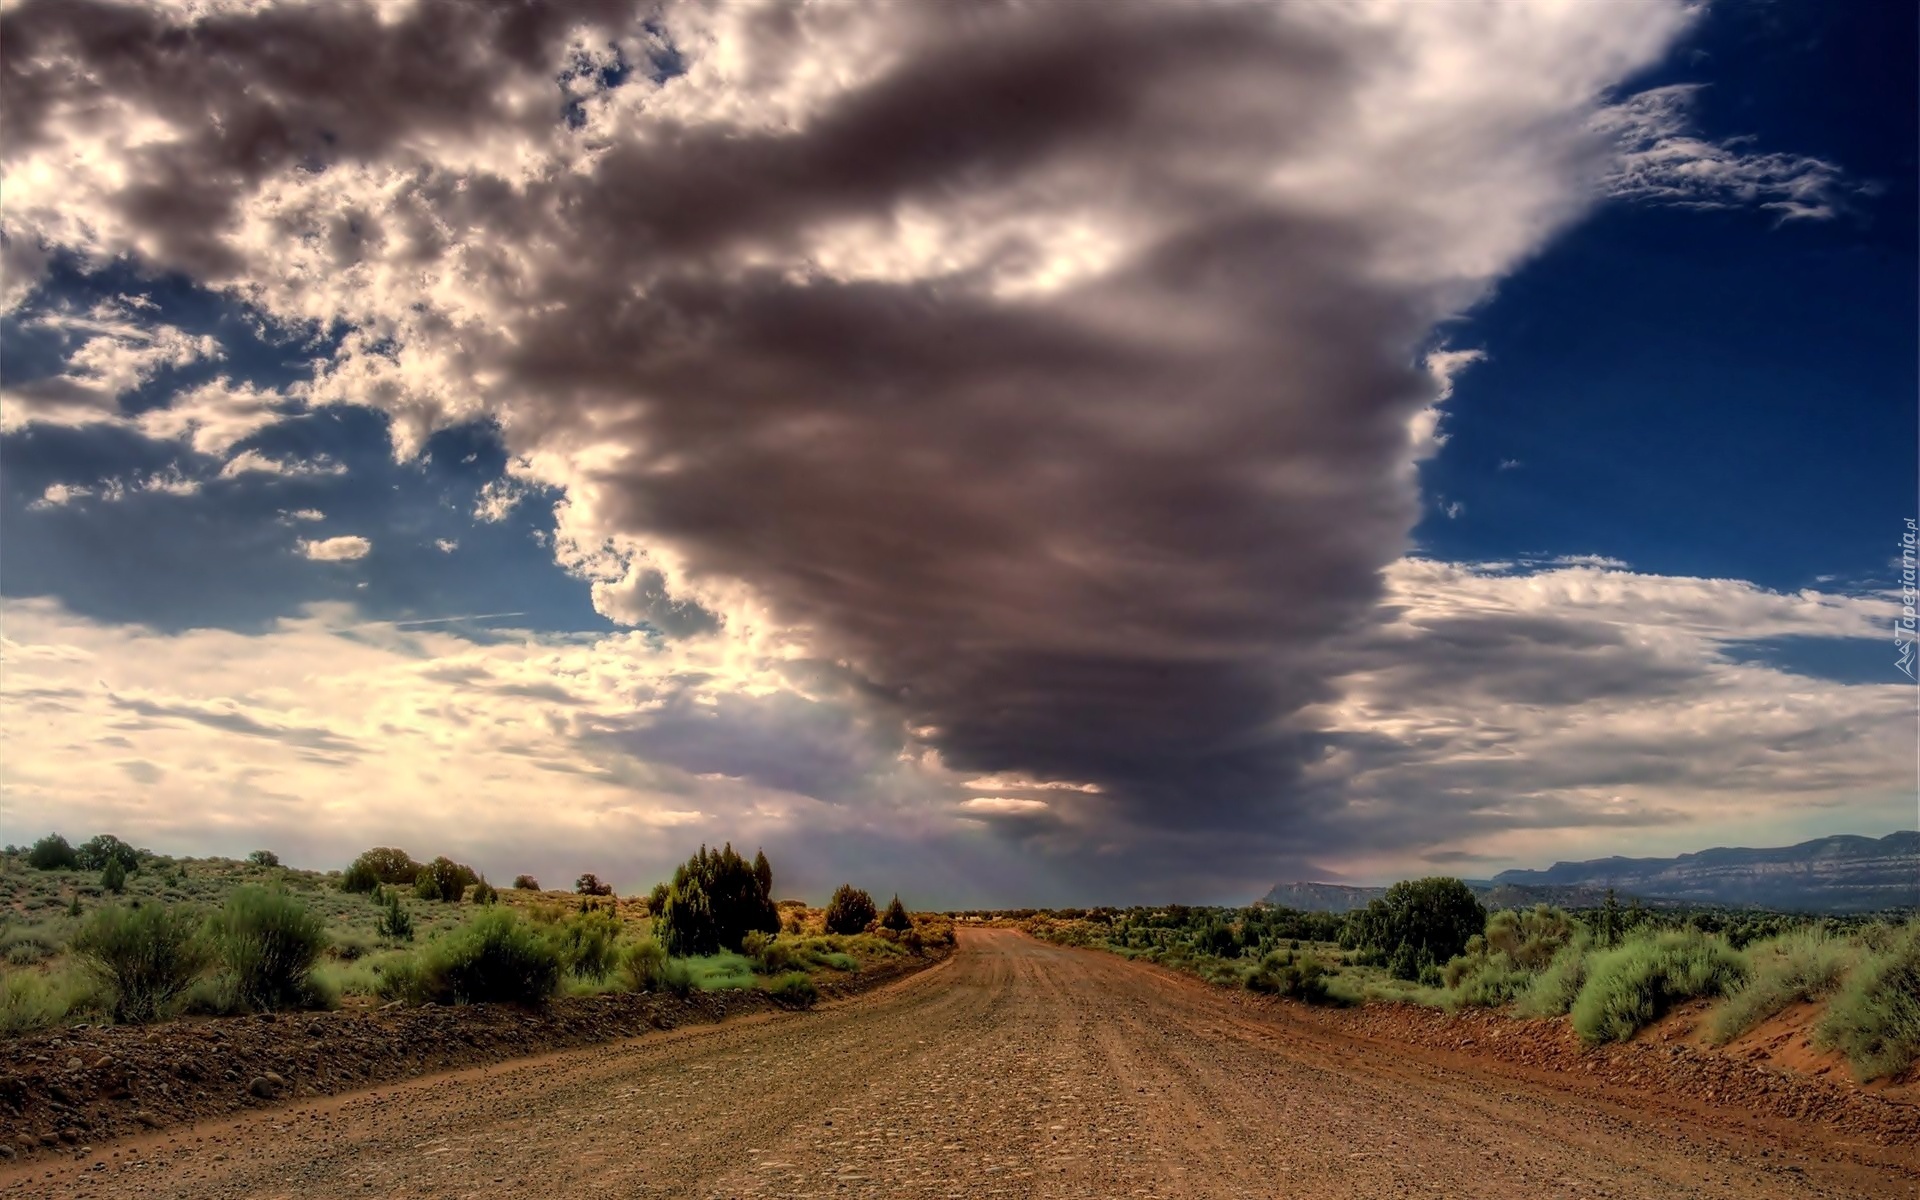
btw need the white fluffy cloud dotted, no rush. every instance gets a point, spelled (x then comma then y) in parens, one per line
(335, 549)
(1491, 714)
(1525, 712)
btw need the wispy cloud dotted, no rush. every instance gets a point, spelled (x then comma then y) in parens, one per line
(253, 462)
(1662, 159)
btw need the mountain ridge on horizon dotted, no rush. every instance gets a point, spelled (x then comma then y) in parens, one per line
(1839, 873)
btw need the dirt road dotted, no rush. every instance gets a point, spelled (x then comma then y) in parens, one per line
(1015, 1069)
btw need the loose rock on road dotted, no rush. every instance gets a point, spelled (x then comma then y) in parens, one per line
(1015, 1069)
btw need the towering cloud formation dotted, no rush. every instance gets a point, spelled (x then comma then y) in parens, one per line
(1047, 377)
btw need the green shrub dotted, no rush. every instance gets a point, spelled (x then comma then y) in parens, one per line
(720, 972)
(778, 955)
(1631, 985)
(1530, 938)
(1793, 967)
(264, 858)
(269, 943)
(53, 853)
(113, 877)
(526, 883)
(648, 969)
(1554, 990)
(850, 911)
(794, 990)
(485, 893)
(399, 975)
(715, 900)
(31, 1000)
(1487, 982)
(495, 957)
(1282, 973)
(1875, 1017)
(586, 942)
(349, 946)
(148, 956)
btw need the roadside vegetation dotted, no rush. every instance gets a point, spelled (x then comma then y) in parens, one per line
(1610, 970)
(102, 931)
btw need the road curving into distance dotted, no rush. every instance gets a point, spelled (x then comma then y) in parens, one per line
(1014, 1069)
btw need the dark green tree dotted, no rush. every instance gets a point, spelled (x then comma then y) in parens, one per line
(896, 918)
(444, 879)
(1610, 920)
(1430, 918)
(264, 858)
(396, 923)
(97, 851)
(763, 871)
(714, 901)
(382, 864)
(52, 853)
(114, 877)
(850, 911)
(590, 885)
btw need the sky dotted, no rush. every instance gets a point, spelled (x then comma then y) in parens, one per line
(1004, 454)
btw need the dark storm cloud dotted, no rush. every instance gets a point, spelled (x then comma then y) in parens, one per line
(1106, 531)
(1097, 536)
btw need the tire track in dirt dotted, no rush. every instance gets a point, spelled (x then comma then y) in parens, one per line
(1016, 1069)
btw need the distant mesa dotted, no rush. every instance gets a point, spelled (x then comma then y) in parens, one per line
(1840, 874)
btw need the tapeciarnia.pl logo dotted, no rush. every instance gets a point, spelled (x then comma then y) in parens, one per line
(1904, 631)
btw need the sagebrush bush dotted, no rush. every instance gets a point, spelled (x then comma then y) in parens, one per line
(1529, 938)
(794, 989)
(1793, 967)
(1553, 991)
(34, 999)
(775, 955)
(1299, 977)
(648, 969)
(148, 956)
(495, 958)
(1874, 1019)
(1631, 985)
(1487, 982)
(268, 942)
(587, 942)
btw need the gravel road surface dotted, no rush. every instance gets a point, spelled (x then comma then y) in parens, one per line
(1014, 1069)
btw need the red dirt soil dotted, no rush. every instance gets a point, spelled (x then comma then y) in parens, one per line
(1022, 1069)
